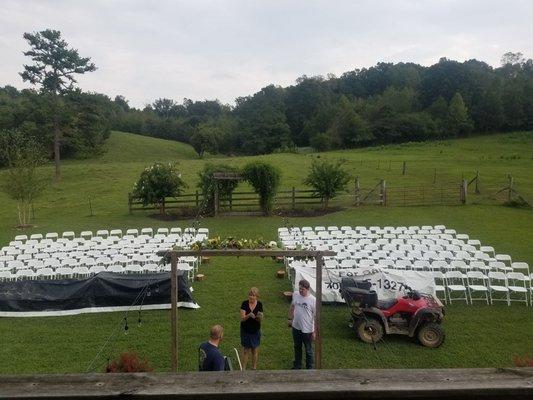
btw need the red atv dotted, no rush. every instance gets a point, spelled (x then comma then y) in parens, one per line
(414, 314)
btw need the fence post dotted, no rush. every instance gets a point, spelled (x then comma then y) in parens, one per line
(357, 191)
(216, 199)
(435, 176)
(510, 177)
(197, 200)
(383, 192)
(231, 201)
(293, 198)
(129, 202)
(404, 168)
(477, 180)
(464, 190)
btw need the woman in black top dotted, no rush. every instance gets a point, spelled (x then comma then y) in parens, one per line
(251, 316)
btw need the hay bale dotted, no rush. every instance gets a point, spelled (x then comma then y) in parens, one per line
(280, 273)
(199, 277)
(287, 295)
(205, 260)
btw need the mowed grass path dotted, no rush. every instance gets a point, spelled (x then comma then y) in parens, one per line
(476, 336)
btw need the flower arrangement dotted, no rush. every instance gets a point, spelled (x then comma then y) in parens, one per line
(218, 243)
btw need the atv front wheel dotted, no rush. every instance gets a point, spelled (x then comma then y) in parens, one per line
(431, 335)
(369, 330)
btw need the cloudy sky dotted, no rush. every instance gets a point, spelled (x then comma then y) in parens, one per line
(206, 49)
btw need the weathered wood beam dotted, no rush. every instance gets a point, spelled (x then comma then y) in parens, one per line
(487, 383)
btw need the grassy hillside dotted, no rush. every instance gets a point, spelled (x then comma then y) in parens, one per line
(126, 147)
(478, 336)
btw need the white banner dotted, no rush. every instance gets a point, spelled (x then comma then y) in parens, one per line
(387, 283)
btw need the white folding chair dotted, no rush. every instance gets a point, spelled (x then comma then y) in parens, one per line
(63, 272)
(440, 284)
(70, 235)
(117, 269)
(499, 266)
(46, 273)
(81, 271)
(498, 285)
(516, 283)
(521, 267)
(455, 284)
(147, 231)
(477, 282)
(87, 235)
(52, 235)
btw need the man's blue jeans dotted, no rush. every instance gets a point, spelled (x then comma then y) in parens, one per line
(300, 338)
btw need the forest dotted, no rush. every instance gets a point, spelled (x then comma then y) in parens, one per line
(386, 103)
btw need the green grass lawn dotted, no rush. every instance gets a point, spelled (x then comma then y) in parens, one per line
(478, 336)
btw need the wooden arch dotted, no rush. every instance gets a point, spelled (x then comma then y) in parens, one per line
(175, 254)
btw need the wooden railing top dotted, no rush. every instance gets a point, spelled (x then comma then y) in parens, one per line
(249, 252)
(486, 383)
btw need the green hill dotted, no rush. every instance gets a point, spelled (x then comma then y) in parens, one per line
(127, 147)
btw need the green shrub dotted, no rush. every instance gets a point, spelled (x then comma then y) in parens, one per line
(207, 185)
(265, 179)
(157, 182)
(327, 179)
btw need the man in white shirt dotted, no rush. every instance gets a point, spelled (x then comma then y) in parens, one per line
(302, 320)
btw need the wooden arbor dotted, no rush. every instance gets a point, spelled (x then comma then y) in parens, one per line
(175, 254)
(224, 176)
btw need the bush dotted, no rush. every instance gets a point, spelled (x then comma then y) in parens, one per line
(157, 182)
(129, 361)
(327, 179)
(265, 179)
(207, 185)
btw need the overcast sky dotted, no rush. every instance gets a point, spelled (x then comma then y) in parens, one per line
(224, 49)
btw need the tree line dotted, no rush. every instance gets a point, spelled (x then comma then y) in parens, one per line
(386, 103)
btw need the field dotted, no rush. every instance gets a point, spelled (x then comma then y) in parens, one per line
(93, 195)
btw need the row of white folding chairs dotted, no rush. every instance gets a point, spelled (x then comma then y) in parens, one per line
(17, 248)
(372, 229)
(88, 261)
(85, 271)
(351, 248)
(471, 245)
(426, 265)
(490, 287)
(113, 232)
(370, 252)
(125, 247)
(383, 241)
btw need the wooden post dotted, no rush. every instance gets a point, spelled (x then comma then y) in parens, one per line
(404, 168)
(231, 201)
(477, 182)
(216, 198)
(383, 192)
(318, 316)
(510, 178)
(464, 190)
(174, 310)
(293, 199)
(129, 202)
(197, 200)
(435, 176)
(357, 190)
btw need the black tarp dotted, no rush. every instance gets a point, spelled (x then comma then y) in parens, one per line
(102, 292)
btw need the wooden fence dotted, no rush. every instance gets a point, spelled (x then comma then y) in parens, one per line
(237, 202)
(382, 193)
